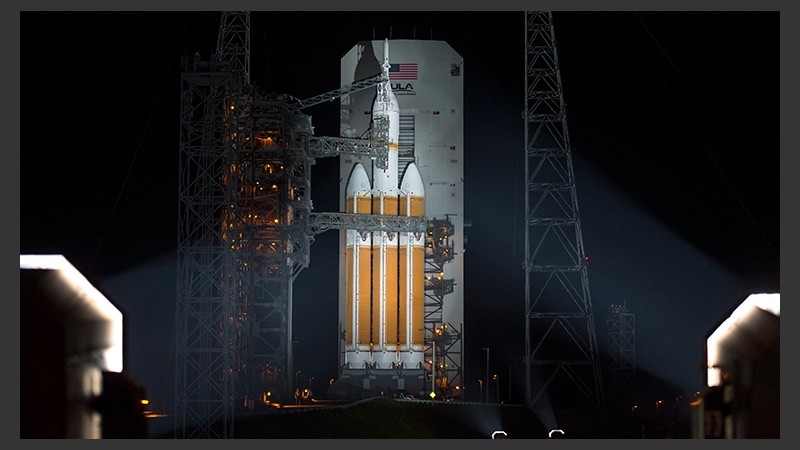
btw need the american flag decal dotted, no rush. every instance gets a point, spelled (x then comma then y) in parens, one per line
(406, 71)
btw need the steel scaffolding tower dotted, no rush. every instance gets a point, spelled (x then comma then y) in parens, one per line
(245, 231)
(621, 327)
(622, 346)
(562, 369)
(205, 352)
(443, 355)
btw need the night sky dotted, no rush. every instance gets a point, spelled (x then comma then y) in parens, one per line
(674, 121)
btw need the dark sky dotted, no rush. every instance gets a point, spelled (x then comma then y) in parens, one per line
(674, 121)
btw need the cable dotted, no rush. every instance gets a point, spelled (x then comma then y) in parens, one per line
(139, 145)
(702, 142)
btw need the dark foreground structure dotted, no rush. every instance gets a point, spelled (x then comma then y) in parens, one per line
(71, 379)
(742, 400)
(389, 418)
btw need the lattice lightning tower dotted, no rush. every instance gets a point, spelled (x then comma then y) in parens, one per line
(562, 369)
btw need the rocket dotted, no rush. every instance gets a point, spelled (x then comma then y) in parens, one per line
(385, 270)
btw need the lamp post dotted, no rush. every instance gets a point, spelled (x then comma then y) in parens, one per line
(658, 413)
(497, 386)
(509, 383)
(297, 392)
(487, 373)
(433, 367)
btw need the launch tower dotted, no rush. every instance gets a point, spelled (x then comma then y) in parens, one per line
(245, 230)
(204, 341)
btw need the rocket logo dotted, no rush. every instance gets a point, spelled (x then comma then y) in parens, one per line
(405, 71)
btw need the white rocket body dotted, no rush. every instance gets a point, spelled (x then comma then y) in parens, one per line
(385, 286)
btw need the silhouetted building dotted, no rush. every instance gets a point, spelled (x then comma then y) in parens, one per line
(742, 400)
(71, 380)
